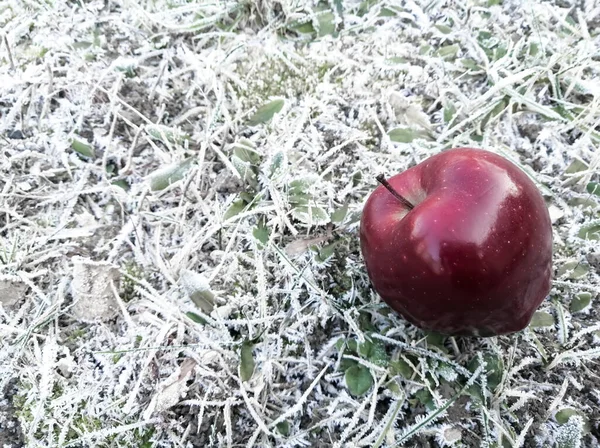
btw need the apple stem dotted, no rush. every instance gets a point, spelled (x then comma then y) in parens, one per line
(383, 181)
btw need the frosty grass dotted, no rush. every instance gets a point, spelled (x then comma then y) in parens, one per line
(181, 184)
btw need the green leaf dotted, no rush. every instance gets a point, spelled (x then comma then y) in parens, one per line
(424, 49)
(387, 12)
(145, 438)
(378, 354)
(203, 299)
(470, 64)
(358, 379)
(541, 319)
(426, 399)
(301, 185)
(326, 24)
(266, 112)
(593, 188)
(82, 147)
(576, 166)
(311, 214)
(580, 302)
(476, 137)
(112, 169)
(562, 417)
(590, 232)
(339, 215)
(500, 106)
(249, 198)
(364, 348)
(484, 36)
(246, 153)
(339, 7)
(402, 135)
(401, 367)
(498, 109)
(426, 421)
(566, 267)
(374, 352)
(261, 233)
(166, 134)
(298, 199)
(500, 52)
(352, 346)
(365, 6)
(127, 68)
(574, 268)
(302, 27)
(283, 428)
(582, 202)
(163, 177)
(121, 183)
(448, 51)
(560, 110)
(493, 368)
(196, 318)
(449, 112)
(277, 164)
(534, 49)
(475, 391)
(444, 29)
(394, 387)
(345, 364)
(81, 45)
(246, 170)
(436, 340)
(580, 270)
(235, 208)
(326, 251)
(407, 135)
(396, 60)
(246, 361)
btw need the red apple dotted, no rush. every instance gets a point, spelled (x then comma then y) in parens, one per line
(460, 244)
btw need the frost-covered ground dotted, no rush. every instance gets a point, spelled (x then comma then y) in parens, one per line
(180, 189)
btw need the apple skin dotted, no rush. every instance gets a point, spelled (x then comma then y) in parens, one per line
(474, 255)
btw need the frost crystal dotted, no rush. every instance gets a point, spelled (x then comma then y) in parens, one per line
(181, 186)
(569, 434)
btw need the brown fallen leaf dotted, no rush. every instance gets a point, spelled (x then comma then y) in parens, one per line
(299, 246)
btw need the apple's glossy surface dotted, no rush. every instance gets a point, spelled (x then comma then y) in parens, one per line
(474, 256)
